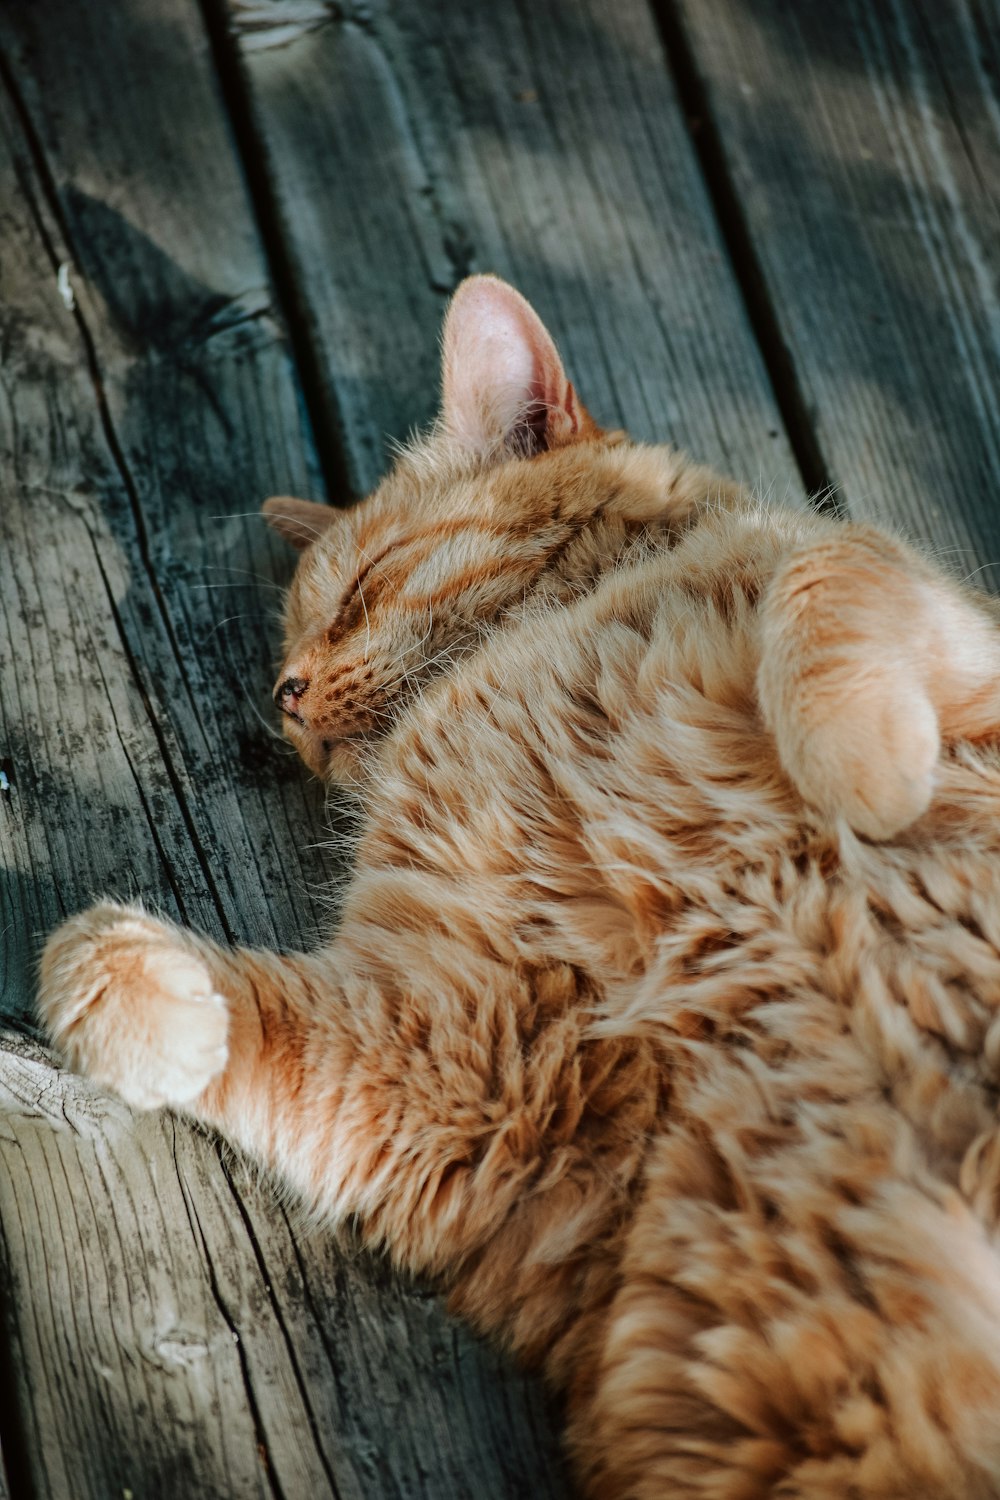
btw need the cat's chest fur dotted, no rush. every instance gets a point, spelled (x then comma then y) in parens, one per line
(598, 779)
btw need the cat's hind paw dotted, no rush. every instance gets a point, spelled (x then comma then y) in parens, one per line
(873, 762)
(130, 1004)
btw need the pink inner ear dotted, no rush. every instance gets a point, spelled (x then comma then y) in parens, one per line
(502, 375)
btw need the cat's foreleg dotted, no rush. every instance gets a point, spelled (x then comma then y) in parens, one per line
(425, 1089)
(869, 659)
(265, 1048)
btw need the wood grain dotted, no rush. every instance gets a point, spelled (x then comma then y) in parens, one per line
(94, 1275)
(405, 146)
(863, 145)
(158, 1340)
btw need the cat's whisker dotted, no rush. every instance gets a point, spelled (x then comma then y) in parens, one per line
(268, 728)
(227, 621)
(453, 650)
(393, 682)
(383, 715)
(205, 587)
(257, 578)
(983, 568)
(955, 551)
(239, 515)
(404, 674)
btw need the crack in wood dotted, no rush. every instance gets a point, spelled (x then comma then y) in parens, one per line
(326, 427)
(744, 261)
(253, 1405)
(266, 1279)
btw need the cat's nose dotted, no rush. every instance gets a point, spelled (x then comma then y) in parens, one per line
(288, 694)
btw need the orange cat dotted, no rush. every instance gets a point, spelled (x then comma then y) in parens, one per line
(663, 1017)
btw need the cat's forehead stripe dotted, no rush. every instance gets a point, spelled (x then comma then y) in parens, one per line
(445, 567)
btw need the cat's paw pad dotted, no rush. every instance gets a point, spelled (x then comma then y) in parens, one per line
(131, 1006)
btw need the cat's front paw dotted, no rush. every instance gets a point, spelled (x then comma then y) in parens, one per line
(129, 1004)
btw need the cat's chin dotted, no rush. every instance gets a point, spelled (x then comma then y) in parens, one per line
(344, 761)
(336, 760)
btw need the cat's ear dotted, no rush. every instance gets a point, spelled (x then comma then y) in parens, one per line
(298, 521)
(504, 389)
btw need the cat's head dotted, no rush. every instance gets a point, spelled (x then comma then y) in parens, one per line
(509, 499)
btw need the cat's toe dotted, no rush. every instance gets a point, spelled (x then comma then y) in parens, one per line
(131, 1005)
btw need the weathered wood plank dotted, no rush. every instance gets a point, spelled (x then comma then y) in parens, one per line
(94, 1275)
(863, 143)
(407, 145)
(164, 405)
(408, 1405)
(140, 1377)
(161, 402)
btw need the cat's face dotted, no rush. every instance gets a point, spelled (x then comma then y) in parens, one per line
(468, 524)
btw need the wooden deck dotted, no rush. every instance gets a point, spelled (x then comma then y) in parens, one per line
(765, 229)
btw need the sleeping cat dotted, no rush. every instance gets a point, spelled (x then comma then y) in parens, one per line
(662, 1021)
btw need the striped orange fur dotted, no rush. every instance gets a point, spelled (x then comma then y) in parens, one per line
(662, 1020)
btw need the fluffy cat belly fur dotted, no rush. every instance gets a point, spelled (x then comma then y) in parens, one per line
(663, 1017)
